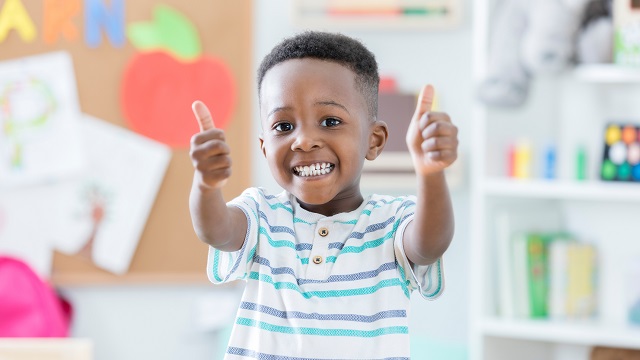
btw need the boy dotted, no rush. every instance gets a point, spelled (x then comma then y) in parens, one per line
(329, 272)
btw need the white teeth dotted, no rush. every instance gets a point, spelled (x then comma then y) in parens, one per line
(313, 169)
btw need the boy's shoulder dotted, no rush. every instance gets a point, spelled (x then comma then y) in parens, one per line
(260, 195)
(391, 202)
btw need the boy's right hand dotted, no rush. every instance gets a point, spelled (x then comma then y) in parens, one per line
(209, 150)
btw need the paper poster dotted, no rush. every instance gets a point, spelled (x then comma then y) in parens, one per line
(39, 116)
(25, 226)
(106, 209)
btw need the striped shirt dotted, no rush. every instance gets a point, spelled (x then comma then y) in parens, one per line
(322, 287)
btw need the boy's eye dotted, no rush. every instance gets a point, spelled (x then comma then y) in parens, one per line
(329, 122)
(283, 127)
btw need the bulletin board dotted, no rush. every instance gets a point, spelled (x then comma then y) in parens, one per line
(168, 251)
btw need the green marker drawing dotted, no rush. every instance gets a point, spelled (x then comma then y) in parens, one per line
(15, 127)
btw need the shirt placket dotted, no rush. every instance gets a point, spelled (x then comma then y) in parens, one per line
(317, 267)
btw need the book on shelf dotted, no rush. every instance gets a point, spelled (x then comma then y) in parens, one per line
(558, 279)
(511, 265)
(544, 274)
(537, 267)
(581, 273)
(572, 280)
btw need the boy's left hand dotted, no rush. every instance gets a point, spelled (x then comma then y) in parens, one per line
(432, 138)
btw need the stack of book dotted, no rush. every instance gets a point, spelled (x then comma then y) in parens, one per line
(546, 275)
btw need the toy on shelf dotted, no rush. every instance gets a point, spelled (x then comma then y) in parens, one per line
(626, 15)
(542, 37)
(522, 155)
(621, 158)
(522, 168)
(581, 163)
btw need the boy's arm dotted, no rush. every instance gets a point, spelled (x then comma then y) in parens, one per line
(221, 226)
(433, 143)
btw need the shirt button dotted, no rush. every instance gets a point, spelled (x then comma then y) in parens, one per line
(317, 259)
(323, 231)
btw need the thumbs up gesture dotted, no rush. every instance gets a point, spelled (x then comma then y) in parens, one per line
(432, 138)
(209, 150)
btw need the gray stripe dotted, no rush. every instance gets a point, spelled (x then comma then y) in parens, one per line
(333, 278)
(315, 316)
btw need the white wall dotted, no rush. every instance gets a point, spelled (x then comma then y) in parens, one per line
(159, 322)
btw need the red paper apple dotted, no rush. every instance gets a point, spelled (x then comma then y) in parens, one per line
(160, 85)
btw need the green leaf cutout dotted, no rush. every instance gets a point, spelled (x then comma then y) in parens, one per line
(170, 31)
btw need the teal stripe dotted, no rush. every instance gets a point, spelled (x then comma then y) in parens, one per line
(252, 253)
(298, 220)
(322, 332)
(279, 206)
(216, 263)
(280, 285)
(276, 243)
(350, 222)
(372, 243)
(405, 281)
(439, 267)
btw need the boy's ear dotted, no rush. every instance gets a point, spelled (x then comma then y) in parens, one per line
(377, 139)
(262, 145)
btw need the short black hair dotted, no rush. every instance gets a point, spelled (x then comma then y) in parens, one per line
(335, 47)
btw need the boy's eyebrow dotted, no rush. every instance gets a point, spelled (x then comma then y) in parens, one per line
(321, 103)
(333, 103)
(281, 108)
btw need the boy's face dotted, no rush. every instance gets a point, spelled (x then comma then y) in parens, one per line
(313, 115)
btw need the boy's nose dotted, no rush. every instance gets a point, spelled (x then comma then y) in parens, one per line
(306, 142)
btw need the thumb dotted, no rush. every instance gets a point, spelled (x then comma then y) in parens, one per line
(425, 101)
(203, 116)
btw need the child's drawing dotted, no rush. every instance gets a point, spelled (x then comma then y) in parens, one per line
(107, 208)
(39, 113)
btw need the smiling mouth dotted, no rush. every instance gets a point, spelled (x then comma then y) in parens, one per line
(314, 169)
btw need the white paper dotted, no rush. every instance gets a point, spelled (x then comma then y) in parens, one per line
(111, 202)
(25, 226)
(39, 115)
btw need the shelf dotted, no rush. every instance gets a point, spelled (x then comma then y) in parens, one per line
(563, 189)
(46, 348)
(386, 15)
(607, 73)
(580, 332)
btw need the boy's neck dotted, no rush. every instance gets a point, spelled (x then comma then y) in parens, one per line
(337, 205)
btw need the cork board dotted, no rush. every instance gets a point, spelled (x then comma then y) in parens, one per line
(168, 251)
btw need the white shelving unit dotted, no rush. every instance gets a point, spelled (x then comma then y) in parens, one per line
(569, 110)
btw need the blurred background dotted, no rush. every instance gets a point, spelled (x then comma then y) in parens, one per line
(94, 169)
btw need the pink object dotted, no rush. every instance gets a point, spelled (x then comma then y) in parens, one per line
(29, 306)
(388, 84)
(511, 161)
